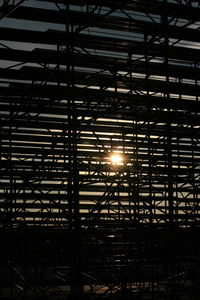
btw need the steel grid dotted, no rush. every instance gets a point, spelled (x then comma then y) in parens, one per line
(80, 81)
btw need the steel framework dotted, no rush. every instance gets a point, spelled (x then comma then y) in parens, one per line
(81, 80)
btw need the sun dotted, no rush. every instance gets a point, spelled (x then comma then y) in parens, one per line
(116, 159)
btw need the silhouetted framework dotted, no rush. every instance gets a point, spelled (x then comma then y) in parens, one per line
(81, 80)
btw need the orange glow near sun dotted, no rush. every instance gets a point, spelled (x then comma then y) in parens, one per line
(116, 159)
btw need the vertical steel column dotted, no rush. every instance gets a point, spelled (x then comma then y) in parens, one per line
(10, 198)
(149, 126)
(11, 183)
(173, 291)
(168, 104)
(73, 173)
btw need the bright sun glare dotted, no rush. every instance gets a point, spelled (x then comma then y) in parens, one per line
(116, 158)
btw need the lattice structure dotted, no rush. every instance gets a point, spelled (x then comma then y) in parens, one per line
(81, 81)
